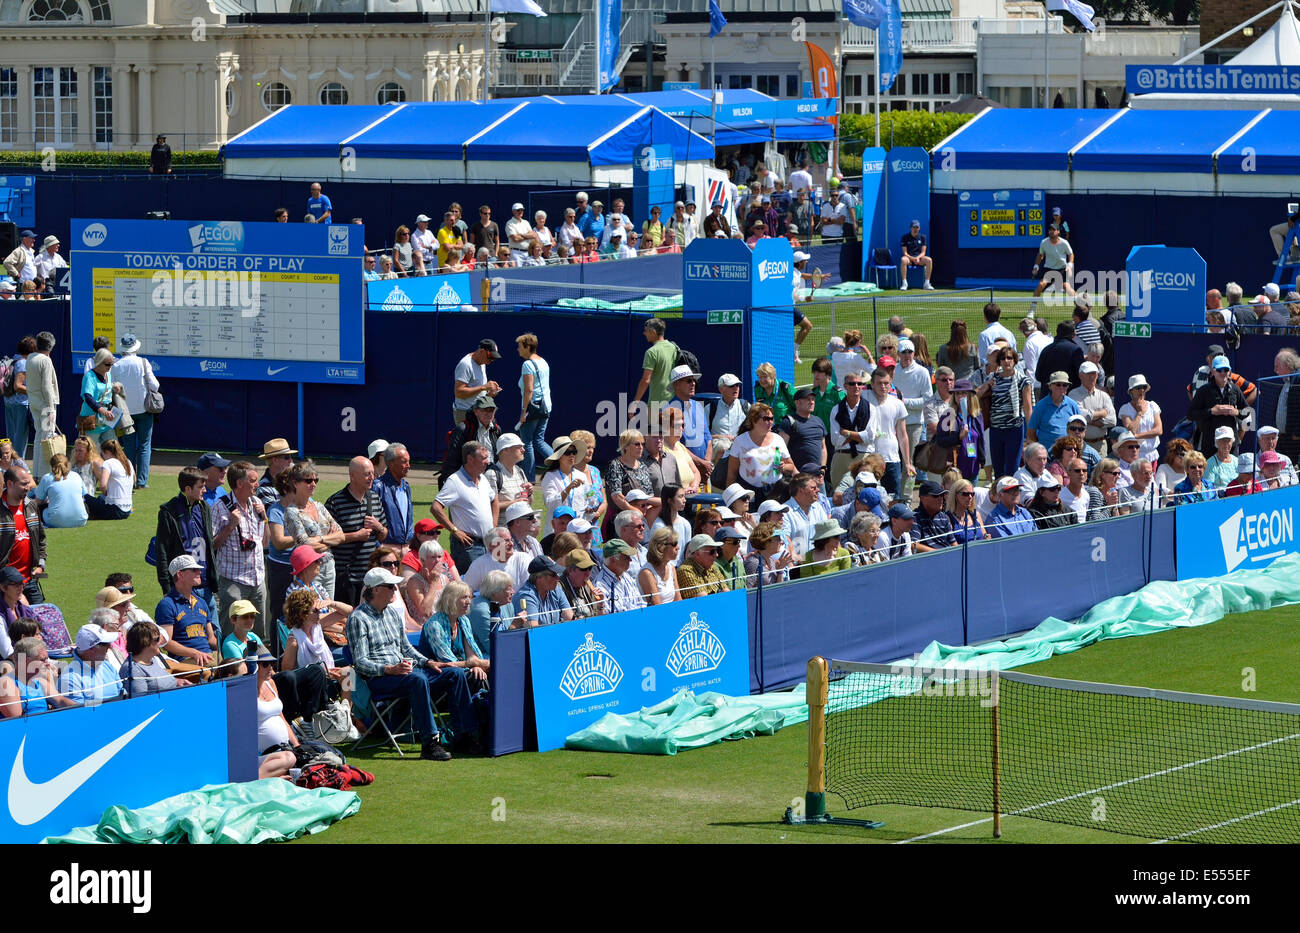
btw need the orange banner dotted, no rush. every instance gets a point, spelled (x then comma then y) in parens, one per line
(823, 75)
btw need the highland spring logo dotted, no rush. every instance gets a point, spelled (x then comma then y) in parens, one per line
(1263, 536)
(447, 297)
(696, 650)
(592, 671)
(397, 300)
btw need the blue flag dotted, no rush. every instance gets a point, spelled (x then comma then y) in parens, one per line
(611, 22)
(867, 13)
(716, 20)
(889, 44)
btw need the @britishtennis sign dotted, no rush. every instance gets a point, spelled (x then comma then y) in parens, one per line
(620, 663)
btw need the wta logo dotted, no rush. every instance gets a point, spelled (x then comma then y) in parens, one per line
(696, 650)
(94, 235)
(592, 672)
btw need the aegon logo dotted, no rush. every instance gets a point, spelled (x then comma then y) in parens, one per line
(212, 366)
(1173, 279)
(772, 268)
(94, 235)
(219, 237)
(1260, 537)
(907, 165)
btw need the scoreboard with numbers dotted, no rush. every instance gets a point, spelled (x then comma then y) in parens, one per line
(1001, 219)
(222, 299)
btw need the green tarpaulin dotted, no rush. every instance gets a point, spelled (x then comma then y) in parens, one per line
(686, 721)
(658, 303)
(260, 811)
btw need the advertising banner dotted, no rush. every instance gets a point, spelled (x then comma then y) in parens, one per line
(425, 293)
(652, 182)
(1240, 533)
(623, 662)
(908, 177)
(715, 274)
(871, 207)
(224, 299)
(1212, 79)
(611, 23)
(1166, 285)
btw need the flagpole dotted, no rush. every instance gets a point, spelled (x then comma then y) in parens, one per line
(487, 47)
(877, 62)
(599, 38)
(1047, 61)
(713, 93)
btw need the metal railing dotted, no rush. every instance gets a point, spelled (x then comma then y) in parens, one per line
(951, 33)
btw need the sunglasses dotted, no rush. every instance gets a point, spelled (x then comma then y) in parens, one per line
(126, 589)
(389, 563)
(1077, 427)
(767, 418)
(966, 493)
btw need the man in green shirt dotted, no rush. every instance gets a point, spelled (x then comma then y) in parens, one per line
(658, 362)
(826, 395)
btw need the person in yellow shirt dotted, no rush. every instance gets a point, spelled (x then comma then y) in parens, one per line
(449, 237)
(652, 231)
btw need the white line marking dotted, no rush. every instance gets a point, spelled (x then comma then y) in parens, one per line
(1235, 819)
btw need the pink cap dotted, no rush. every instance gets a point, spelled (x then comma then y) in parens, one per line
(302, 557)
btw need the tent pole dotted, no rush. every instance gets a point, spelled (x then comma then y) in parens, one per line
(1047, 61)
(1235, 29)
(876, 60)
(713, 97)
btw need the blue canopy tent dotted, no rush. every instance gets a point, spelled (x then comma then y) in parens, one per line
(304, 137)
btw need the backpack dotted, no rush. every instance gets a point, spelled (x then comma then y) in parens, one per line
(8, 373)
(687, 358)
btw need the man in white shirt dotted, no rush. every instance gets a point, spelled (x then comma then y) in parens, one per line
(464, 506)
(1035, 341)
(834, 218)
(913, 382)
(728, 415)
(1097, 406)
(618, 249)
(806, 510)
(426, 241)
(895, 538)
(887, 431)
(471, 379)
(1056, 258)
(993, 331)
(501, 554)
(1035, 457)
(48, 261)
(519, 233)
(801, 178)
(21, 263)
(849, 424)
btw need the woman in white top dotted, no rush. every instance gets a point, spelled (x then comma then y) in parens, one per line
(307, 644)
(758, 455)
(658, 578)
(117, 477)
(563, 484)
(670, 517)
(569, 235)
(86, 462)
(1142, 417)
(544, 237)
(272, 728)
(850, 355)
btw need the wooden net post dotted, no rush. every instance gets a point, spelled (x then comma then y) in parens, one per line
(997, 763)
(815, 798)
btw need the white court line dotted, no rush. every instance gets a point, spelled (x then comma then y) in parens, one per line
(1235, 819)
(1098, 790)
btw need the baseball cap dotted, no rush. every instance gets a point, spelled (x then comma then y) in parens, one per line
(302, 557)
(1088, 367)
(900, 510)
(682, 372)
(888, 361)
(1246, 463)
(1224, 432)
(931, 488)
(733, 492)
(422, 219)
(616, 547)
(728, 534)
(426, 526)
(805, 392)
(378, 576)
(484, 401)
(579, 526)
(1220, 362)
(1048, 481)
(564, 510)
(491, 346)
(915, 223)
(870, 497)
(184, 562)
(1082, 419)
(579, 559)
(700, 541)
(771, 505)
(543, 564)
(638, 495)
(242, 607)
(904, 345)
(1271, 289)
(812, 467)
(728, 379)
(91, 635)
(1215, 349)
(866, 478)
(801, 256)
(210, 460)
(1126, 437)
(1059, 377)
(517, 510)
(516, 206)
(506, 441)
(1007, 482)
(1056, 212)
(376, 448)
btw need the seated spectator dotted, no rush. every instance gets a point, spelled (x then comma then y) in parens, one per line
(386, 270)
(117, 479)
(1272, 470)
(275, 739)
(185, 616)
(1046, 507)
(738, 499)
(617, 579)
(86, 462)
(1035, 466)
(585, 599)
(1174, 470)
(500, 555)
(826, 555)
(1194, 488)
(1009, 517)
(1266, 439)
(12, 606)
(237, 645)
(658, 577)
(305, 562)
(491, 609)
(145, 672)
(767, 556)
(933, 529)
(868, 498)
(307, 644)
(448, 637)
(541, 596)
(1245, 482)
(1140, 493)
(1106, 479)
(895, 539)
(1084, 500)
(63, 495)
(30, 686)
(422, 589)
(966, 520)
(91, 677)
(1221, 469)
(730, 563)
(697, 575)
(864, 532)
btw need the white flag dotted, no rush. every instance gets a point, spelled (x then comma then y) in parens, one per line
(1079, 10)
(517, 6)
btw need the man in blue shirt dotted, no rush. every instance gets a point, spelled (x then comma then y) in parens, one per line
(695, 427)
(1051, 418)
(89, 679)
(395, 494)
(542, 596)
(593, 224)
(318, 205)
(184, 616)
(1009, 517)
(370, 273)
(912, 247)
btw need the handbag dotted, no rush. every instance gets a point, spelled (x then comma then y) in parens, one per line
(153, 398)
(334, 724)
(58, 444)
(932, 458)
(86, 424)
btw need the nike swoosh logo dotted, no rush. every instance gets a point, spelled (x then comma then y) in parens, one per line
(30, 803)
(272, 372)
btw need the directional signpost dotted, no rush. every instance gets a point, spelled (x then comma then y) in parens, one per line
(726, 317)
(1132, 329)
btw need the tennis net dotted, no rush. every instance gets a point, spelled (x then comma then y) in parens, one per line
(1151, 763)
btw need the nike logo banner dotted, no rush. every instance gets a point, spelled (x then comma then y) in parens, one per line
(66, 768)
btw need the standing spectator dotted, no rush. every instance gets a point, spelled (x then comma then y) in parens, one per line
(1096, 405)
(407, 260)
(535, 403)
(464, 506)
(360, 514)
(1219, 403)
(22, 536)
(95, 419)
(682, 225)
(776, 393)
(48, 260)
(652, 230)
(695, 421)
(1141, 416)
(185, 527)
(887, 429)
(1036, 340)
(993, 331)
(135, 374)
(308, 522)
(726, 416)
(1007, 398)
(958, 354)
(509, 483)
(1051, 416)
(471, 379)
(160, 159)
(716, 222)
(850, 437)
(278, 457)
(449, 241)
(625, 473)
(17, 406)
(213, 467)
(518, 233)
(240, 532)
(1086, 331)
(801, 178)
(803, 432)
(1062, 355)
(580, 210)
(656, 365)
(1279, 404)
(395, 494)
(593, 223)
(319, 206)
(21, 263)
(485, 234)
(913, 382)
(481, 426)
(425, 240)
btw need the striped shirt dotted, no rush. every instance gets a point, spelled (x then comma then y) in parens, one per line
(378, 639)
(1086, 333)
(351, 558)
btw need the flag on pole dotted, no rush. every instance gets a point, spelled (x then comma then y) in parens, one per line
(823, 71)
(889, 44)
(867, 13)
(1076, 8)
(611, 22)
(716, 20)
(517, 6)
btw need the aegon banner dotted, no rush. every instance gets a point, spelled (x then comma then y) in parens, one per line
(652, 182)
(1166, 285)
(1240, 533)
(426, 293)
(620, 663)
(908, 184)
(1214, 79)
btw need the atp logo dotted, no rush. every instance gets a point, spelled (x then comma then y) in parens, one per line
(592, 672)
(398, 300)
(447, 296)
(1264, 536)
(696, 650)
(338, 239)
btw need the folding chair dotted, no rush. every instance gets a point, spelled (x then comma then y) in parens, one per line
(882, 260)
(54, 630)
(390, 714)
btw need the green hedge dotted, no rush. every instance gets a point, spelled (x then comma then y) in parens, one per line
(897, 128)
(198, 158)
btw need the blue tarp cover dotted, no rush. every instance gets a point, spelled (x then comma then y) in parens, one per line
(406, 134)
(1273, 145)
(303, 130)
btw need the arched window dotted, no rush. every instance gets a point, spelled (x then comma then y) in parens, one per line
(55, 11)
(334, 93)
(390, 93)
(232, 97)
(276, 95)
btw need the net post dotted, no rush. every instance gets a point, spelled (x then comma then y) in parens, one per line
(997, 761)
(816, 692)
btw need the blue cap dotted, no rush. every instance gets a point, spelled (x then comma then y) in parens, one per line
(1056, 212)
(869, 496)
(564, 510)
(27, 233)
(1220, 362)
(916, 223)
(900, 510)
